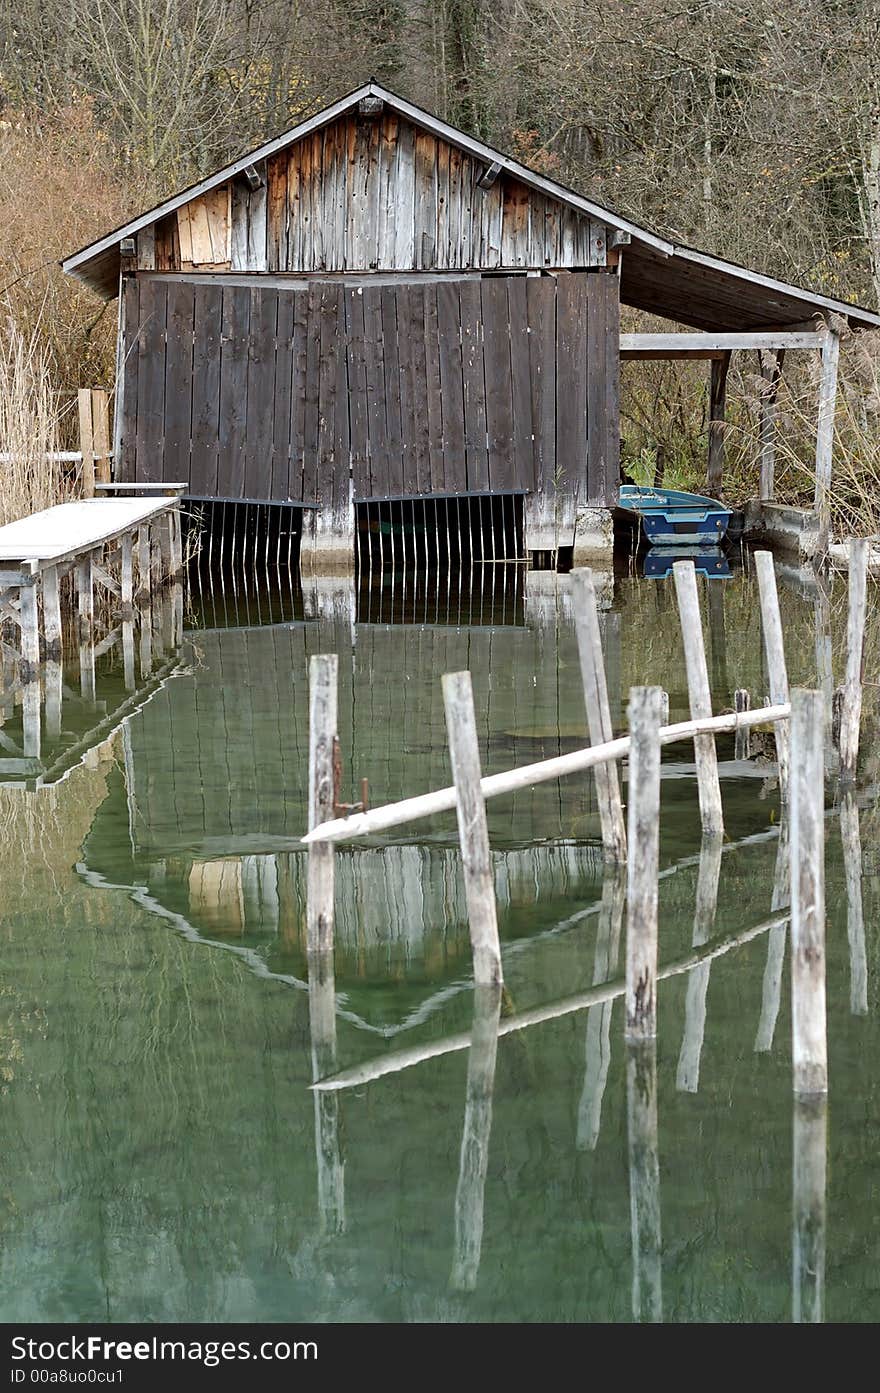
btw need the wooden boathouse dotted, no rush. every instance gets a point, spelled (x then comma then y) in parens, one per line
(375, 306)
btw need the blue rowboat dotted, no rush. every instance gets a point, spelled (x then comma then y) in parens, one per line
(674, 519)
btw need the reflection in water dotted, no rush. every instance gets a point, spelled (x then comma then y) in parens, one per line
(598, 1044)
(644, 1180)
(322, 1025)
(855, 920)
(772, 987)
(688, 1076)
(810, 1146)
(475, 1138)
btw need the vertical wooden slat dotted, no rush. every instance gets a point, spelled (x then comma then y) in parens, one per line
(499, 398)
(151, 382)
(235, 326)
(328, 394)
(125, 466)
(393, 422)
(378, 463)
(596, 330)
(207, 319)
(523, 457)
(295, 482)
(451, 388)
(311, 407)
(260, 392)
(357, 391)
(420, 479)
(807, 853)
(434, 411)
(608, 487)
(179, 383)
(284, 347)
(699, 695)
(86, 442)
(276, 212)
(473, 377)
(571, 386)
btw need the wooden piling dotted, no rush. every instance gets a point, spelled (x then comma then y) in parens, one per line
(644, 1179)
(807, 852)
(589, 641)
(774, 653)
(851, 703)
(642, 865)
(699, 695)
(85, 588)
(323, 698)
(126, 575)
(473, 832)
(52, 639)
(474, 1158)
(144, 602)
(825, 432)
(742, 748)
(810, 1152)
(30, 669)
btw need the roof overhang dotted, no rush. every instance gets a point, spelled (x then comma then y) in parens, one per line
(658, 276)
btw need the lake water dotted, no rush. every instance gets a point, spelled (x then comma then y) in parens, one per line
(163, 1157)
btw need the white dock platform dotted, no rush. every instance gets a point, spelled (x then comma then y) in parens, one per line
(69, 529)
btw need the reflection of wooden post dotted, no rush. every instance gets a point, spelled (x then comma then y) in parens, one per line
(851, 705)
(474, 1161)
(323, 696)
(29, 621)
(589, 641)
(644, 1179)
(644, 850)
(53, 641)
(776, 940)
(699, 695)
(810, 1146)
(688, 1076)
(809, 1044)
(598, 1043)
(855, 920)
(774, 652)
(322, 1026)
(824, 667)
(473, 832)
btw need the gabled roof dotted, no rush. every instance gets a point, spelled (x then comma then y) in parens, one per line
(674, 281)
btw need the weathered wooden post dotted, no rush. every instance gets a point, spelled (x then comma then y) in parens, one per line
(851, 703)
(85, 587)
(642, 865)
(474, 1160)
(851, 842)
(687, 1078)
(644, 1179)
(771, 991)
(473, 832)
(598, 1035)
(323, 697)
(29, 671)
(825, 432)
(810, 1150)
(699, 695)
(589, 641)
(774, 653)
(144, 602)
(52, 638)
(86, 441)
(328, 1155)
(742, 749)
(101, 433)
(809, 1045)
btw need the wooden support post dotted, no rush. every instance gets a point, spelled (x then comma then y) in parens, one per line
(810, 1151)
(699, 695)
(771, 373)
(855, 919)
(644, 1179)
(589, 641)
(474, 1159)
(774, 653)
(144, 599)
(323, 699)
(598, 1037)
(176, 541)
(851, 704)
(86, 441)
(644, 850)
(825, 431)
(30, 669)
(688, 1075)
(473, 832)
(52, 638)
(328, 1154)
(86, 605)
(771, 991)
(717, 424)
(742, 748)
(101, 433)
(126, 576)
(809, 1045)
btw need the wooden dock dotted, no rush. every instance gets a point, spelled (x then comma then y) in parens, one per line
(128, 548)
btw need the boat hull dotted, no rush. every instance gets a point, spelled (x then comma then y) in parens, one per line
(674, 519)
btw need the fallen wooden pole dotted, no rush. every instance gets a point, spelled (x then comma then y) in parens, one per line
(644, 848)
(807, 852)
(323, 684)
(774, 652)
(589, 641)
(699, 695)
(473, 832)
(512, 780)
(397, 1060)
(851, 703)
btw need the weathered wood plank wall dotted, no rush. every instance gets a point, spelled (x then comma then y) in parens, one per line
(375, 194)
(442, 386)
